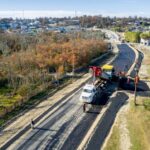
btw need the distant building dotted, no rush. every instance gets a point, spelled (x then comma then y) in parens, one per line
(137, 23)
(3, 27)
(145, 41)
(72, 22)
(72, 28)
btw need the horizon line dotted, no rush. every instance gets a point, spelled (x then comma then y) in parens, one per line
(31, 14)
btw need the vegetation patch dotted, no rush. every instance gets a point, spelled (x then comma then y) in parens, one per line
(30, 65)
(113, 142)
(145, 35)
(29, 103)
(133, 37)
(138, 119)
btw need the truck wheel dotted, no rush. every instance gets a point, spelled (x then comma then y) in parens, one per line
(95, 97)
(84, 107)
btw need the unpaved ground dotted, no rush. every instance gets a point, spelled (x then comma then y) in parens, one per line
(125, 142)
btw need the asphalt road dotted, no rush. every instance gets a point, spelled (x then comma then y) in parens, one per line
(106, 122)
(66, 128)
(125, 59)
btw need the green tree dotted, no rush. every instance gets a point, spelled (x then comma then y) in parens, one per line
(133, 37)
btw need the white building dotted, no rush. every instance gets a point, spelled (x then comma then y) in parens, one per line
(145, 41)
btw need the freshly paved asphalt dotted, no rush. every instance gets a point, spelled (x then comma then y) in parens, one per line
(66, 128)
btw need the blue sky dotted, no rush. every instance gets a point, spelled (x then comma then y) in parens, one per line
(68, 7)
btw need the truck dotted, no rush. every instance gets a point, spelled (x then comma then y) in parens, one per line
(92, 91)
(108, 72)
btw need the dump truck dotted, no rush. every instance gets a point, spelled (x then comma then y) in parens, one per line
(101, 76)
(108, 72)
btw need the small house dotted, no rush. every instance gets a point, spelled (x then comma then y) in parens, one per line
(145, 41)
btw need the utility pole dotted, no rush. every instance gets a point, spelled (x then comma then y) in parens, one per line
(94, 72)
(135, 93)
(73, 64)
(136, 80)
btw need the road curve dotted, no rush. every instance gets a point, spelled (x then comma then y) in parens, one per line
(66, 128)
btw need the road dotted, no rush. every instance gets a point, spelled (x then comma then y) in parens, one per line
(66, 128)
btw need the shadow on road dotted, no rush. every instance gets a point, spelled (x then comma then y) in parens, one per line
(103, 100)
(141, 87)
(44, 129)
(93, 112)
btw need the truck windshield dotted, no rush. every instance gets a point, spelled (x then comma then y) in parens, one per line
(87, 90)
(108, 72)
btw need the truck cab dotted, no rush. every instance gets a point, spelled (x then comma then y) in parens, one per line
(108, 72)
(88, 94)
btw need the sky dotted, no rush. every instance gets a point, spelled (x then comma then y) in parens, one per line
(61, 8)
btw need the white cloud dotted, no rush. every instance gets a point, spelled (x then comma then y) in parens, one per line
(63, 13)
(34, 14)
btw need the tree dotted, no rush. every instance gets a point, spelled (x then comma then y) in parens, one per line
(132, 37)
(145, 35)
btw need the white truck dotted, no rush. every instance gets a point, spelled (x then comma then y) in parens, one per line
(91, 92)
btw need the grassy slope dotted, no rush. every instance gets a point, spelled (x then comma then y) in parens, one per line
(139, 117)
(7, 100)
(138, 124)
(113, 142)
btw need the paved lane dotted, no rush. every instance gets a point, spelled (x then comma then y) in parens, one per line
(125, 58)
(66, 128)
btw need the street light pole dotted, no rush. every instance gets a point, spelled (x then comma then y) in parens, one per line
(135, 83)
(135, 93)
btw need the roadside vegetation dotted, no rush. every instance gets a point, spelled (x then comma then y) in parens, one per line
(114, 139)
(32, 64)
(137, 117)
(133, 37)
(138, 123)
(145, 35)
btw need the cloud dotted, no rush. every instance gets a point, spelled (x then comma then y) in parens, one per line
(34, 14)
(64, 13)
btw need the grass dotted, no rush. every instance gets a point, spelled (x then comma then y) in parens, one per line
(138, 124)
(146, 60)
(138, 119)
(7, 101)
(113, 142)
(148, 69)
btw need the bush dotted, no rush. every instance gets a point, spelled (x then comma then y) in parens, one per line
(24, 90)
(133, 37)
(147, 104)
(145, 35)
